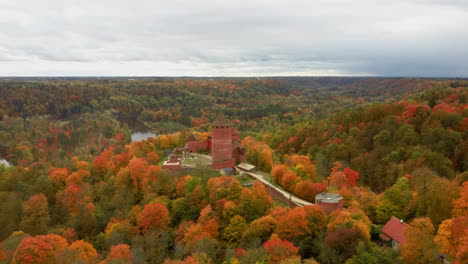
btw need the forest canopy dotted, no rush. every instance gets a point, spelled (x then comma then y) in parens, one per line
(79, 190)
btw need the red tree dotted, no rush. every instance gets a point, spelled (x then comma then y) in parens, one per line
(72, 198)
(352, 176)
(292, 224)
(39, 249)
(58, 175)
(154, 216)
(120, 253)
(280, 250)
(138, 170)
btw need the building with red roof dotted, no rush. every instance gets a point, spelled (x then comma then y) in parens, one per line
(394, 231)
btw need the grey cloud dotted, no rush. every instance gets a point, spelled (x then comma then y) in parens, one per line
(333, 37)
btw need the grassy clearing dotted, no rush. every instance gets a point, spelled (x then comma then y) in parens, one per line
(278, 202)
(245, 180)
(162, 159)
(204, 173)
(195, 160)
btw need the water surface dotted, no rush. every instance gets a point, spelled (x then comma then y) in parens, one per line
(139, 135)
(139, 131)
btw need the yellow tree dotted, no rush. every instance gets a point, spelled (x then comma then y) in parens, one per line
(445, 238)
(419, 247)
(261, 228)
(83, 251)
(303, 164)
(452, 236)
(233, 232)
(460, 206)
(354, 217)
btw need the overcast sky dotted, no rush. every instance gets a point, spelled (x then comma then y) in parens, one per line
(234, 38)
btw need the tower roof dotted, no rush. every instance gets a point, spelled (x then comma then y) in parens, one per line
(220, 120)
(191, 137)
(328, 197)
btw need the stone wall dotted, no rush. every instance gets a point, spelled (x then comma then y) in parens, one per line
(275, 193)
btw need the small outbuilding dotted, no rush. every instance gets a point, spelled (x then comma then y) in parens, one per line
(226, 171)
(173, 162)
(329, 202)
(172, 165)
(394, 232)
(247, 167)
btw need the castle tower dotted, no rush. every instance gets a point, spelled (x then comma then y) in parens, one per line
(221, 143)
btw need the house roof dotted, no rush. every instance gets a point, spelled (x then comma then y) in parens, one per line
(328, 197)
(395, 229)
(168, 162)
(226, 170)
(246, 166)
(385, 237)
(220, 120)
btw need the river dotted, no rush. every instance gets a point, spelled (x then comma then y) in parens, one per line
(137, 128)
(142, 135)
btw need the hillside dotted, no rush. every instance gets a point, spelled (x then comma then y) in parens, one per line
(79, 191)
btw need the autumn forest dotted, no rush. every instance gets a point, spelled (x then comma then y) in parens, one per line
(76, 187)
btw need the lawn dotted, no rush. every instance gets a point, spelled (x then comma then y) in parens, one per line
(196, 160)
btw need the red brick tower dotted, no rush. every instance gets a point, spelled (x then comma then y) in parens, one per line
(221, 143)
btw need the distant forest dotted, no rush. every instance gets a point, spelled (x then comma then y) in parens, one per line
(79, 191)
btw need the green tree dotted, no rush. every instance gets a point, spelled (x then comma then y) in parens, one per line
(10, 213)
(451, 120)
(383, 137)
(373, 254)
(436, 200)
(395, 201)
(442, 140)
(233, 232)
(385, 210)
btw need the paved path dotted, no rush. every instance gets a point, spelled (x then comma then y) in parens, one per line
(286, 194)
(296, 200)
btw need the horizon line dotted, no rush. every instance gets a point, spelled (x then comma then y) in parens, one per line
(246, 76)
